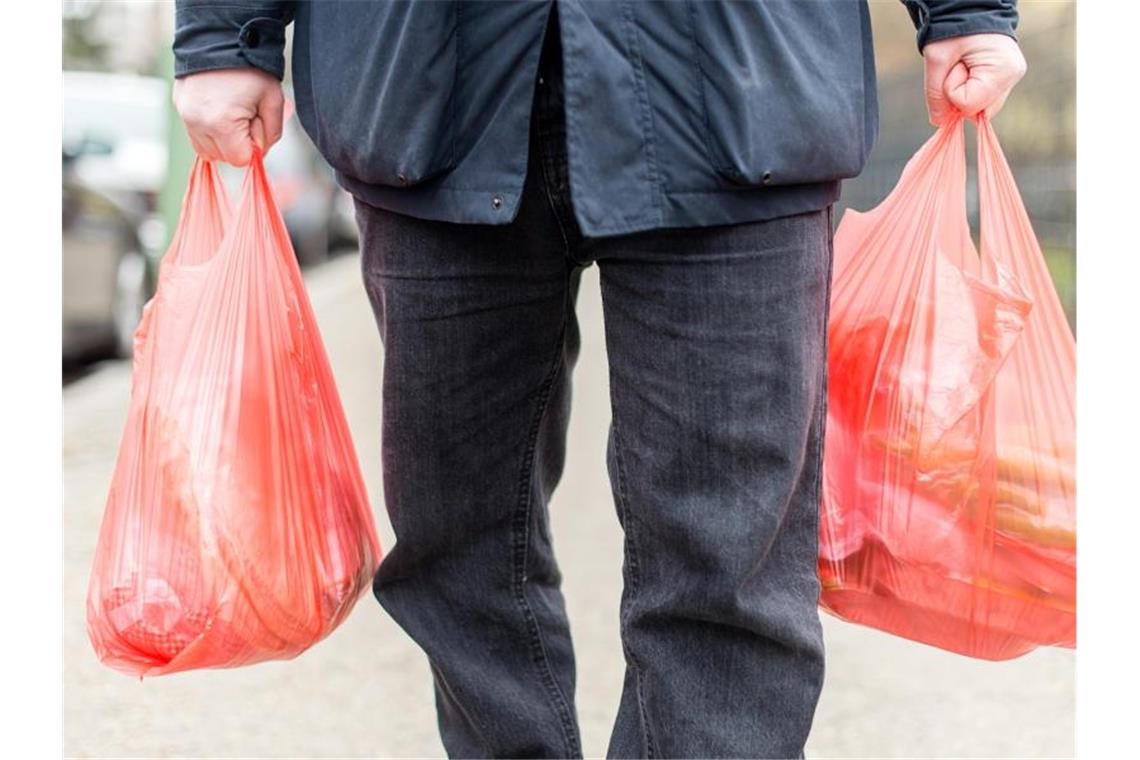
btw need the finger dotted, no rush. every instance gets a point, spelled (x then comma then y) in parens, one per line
(993, 108)
(257, 133)
(935, 71)
(215, 149)
(235, 144)
(957, 78)
(972, 93)
(271, 115)
(204, 146)
(198, 148)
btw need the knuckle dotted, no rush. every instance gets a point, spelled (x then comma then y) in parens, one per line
(191, 118)
(193, 112)
(231, 142)
(936, 55)
(225, 113)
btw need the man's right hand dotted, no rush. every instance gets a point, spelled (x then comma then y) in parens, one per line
(229, 111)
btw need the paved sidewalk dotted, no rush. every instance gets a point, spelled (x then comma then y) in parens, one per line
(366, 690)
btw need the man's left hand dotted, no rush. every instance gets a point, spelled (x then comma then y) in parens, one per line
(967, 75)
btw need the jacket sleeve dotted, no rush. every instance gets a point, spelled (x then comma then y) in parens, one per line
(230, 34)
(940, 19)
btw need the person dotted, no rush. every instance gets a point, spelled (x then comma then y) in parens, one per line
(693, 151)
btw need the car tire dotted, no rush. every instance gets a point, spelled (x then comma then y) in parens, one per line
(132, 289)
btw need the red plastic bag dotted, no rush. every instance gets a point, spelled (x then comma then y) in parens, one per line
(237, 528)
(949, 498)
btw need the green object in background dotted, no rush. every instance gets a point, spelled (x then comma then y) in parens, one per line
(180, 155)
(1062, 263)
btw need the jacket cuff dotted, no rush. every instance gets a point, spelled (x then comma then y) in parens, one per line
(230, 35)
(941, 19)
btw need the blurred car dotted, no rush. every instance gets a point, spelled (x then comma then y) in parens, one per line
(108, 274)
(115, 131)
(116, 127)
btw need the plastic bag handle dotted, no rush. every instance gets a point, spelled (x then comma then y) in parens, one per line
(258, 203)
(998, 200)
(207, 214)
(205, 206)
(1008, 240)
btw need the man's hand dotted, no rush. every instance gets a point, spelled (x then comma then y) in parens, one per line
(229, 111)
(970, 74)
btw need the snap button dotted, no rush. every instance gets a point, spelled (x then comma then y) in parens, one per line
(767, 178)
(402, 178)
(497, 202)
(251, 37)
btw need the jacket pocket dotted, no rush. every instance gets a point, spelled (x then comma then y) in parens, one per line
(783, 85)
(383, 108)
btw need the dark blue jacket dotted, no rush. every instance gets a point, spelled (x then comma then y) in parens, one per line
(682, 113)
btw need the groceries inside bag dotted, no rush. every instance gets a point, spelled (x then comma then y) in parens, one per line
(237, 528)
(949, 490)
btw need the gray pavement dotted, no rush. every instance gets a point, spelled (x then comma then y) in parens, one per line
(365, 691)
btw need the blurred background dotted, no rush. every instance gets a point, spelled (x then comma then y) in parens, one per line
(1037, 127)
(125, 160)
(366, 691)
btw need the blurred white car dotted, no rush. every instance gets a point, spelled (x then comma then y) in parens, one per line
(115, 127)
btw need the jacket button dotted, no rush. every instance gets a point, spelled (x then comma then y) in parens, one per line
(402, 178)
(767, 178)
(497, 202)
(251, 37)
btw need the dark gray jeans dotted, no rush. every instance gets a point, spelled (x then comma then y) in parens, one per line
(716, 341)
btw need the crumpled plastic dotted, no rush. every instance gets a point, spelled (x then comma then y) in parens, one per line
(948, 509)
(237, 528)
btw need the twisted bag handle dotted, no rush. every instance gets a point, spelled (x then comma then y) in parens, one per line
(203, 220)
(1008, 239)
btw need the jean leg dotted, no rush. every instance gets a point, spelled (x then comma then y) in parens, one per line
(717, 347)
(479, 341)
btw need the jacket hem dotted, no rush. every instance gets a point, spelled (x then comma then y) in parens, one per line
(684, 208)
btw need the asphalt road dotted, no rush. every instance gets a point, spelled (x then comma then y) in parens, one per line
(366, 691)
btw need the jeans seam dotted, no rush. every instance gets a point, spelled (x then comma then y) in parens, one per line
(635, 579)
(827, 307)
(520, 530)
(821, 422)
